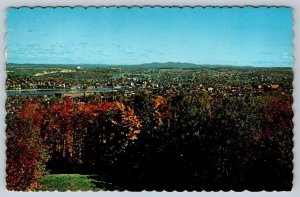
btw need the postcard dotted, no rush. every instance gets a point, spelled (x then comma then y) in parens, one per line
(149, 98)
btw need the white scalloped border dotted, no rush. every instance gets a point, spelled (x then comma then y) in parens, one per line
(154, 3)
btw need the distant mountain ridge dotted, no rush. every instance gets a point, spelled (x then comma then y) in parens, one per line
(171, 64)
(145, 65)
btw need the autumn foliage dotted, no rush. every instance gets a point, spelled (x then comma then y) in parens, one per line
(26, 153)
(189, 141)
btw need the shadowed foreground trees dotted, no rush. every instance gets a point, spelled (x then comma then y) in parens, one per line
(187, 142)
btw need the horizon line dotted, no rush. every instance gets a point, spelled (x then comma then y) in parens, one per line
(105, 64)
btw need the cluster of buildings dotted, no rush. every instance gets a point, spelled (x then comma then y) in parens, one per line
(166, 82)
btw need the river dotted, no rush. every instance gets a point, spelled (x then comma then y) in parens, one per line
(54, 91)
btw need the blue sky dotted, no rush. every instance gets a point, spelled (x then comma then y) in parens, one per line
(225, 36)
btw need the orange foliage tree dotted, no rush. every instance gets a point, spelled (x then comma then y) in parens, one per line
(26, 153)
(78, 133)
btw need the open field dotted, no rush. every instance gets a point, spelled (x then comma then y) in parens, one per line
(75, 182)
(64, 182)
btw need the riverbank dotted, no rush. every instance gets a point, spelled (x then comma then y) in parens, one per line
(56, 91)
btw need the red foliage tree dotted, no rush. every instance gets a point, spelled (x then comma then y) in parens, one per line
(26, 154)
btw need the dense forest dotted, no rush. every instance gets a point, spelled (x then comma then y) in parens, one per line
(189, 141)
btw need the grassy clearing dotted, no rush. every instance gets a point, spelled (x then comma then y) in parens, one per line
(64, 182)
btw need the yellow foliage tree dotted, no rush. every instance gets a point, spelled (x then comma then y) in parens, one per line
(159, 109)
(129, 121)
